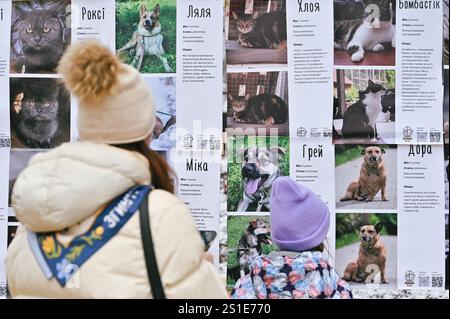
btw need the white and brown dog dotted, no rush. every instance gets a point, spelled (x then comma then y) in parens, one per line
(372, 177)
(147, 39)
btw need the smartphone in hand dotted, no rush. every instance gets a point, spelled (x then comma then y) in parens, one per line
(208, 237)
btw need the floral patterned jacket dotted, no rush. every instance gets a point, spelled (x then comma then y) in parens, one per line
(306, 275)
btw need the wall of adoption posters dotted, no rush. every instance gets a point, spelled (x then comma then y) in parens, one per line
(348, 97)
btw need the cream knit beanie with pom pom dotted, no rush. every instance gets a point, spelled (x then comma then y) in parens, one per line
(115, 103)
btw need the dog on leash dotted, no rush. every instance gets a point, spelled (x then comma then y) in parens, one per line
(147, 39)
(372, 257)
(259, 171)
(372, 178)
(250, 244)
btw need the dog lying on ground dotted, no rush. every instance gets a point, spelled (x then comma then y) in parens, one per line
(260, 169)
(147, 39)
(250, 244)
(372, 178)
(372, 257)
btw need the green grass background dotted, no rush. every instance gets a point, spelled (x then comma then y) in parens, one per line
(348, 225)
(235, 188)
(127, 20)
(236, 226)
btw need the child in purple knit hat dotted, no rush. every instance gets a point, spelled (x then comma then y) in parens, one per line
(299, 270)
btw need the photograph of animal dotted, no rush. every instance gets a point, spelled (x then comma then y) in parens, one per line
(248, 237)
(256, 32)
(260, 168)
(253, 165)
(268, 109)
(371, 259)
(360, 119)
(388, 104)
(40, 113)
(267, 30)
(257, 103)
(250, 244)
(40, 33)
(366, 107)
(150, 39)
(363, 27)
(372, 178)
(164, 96)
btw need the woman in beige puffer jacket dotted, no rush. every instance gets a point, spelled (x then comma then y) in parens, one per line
(66, 188)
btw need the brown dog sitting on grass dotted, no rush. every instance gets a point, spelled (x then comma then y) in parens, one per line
(372, 177)
(371, 258)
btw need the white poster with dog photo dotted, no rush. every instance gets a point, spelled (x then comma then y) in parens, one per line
(310, 68)
(419, 72)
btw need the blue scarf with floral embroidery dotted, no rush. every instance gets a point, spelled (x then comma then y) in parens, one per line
(62, 262)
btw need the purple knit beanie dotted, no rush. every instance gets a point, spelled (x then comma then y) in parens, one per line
(299, 218)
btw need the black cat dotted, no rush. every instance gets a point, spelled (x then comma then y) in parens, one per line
(266, 109)
(40, 37)
(34, 112)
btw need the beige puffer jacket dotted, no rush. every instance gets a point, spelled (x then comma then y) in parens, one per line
(64, 188)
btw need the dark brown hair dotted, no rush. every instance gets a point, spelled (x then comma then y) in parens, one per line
(162, 174)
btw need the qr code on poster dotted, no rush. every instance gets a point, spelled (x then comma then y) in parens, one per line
(5, 142)
(2, 291)
(422, 137)
(435, 137)
(424, 281)
(214, 144)
(437, 282)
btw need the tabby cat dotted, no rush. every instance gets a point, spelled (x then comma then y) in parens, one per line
(34, 112)
(41, 38)
(261, 31)
(364, 30)
(264, 108)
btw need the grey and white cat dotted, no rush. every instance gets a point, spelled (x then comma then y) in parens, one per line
(374, 31)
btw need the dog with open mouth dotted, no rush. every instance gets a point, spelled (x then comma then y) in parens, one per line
(250, 244)
(260, 168)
